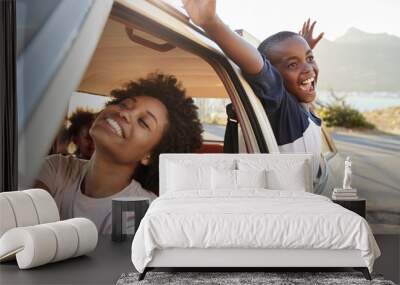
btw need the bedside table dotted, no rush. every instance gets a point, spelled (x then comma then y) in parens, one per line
(123, 211)
(357, 206)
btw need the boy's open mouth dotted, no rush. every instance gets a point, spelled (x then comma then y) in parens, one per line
(308, 85)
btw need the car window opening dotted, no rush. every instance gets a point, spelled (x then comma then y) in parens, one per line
(124, 54)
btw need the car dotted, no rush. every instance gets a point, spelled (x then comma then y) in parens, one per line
(74, 49)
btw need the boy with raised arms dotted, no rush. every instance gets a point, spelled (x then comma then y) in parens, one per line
(282, 72)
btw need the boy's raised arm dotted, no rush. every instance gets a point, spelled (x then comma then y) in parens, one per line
(203, 13)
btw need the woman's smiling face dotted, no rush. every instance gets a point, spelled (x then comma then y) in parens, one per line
(129, 130)
(295, 62)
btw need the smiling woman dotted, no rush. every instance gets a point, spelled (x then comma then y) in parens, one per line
(148, 117)
(167, 112)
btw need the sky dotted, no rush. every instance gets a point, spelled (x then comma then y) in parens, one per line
(263, 17)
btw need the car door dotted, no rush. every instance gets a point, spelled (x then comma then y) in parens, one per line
(55, 41)
(331, 166)
(50, 72)
(157, 26)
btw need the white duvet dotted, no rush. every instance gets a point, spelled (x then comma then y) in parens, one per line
(254, 218)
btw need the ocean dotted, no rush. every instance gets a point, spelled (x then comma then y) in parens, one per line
(363, 101)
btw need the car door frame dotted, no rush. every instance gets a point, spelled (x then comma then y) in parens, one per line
(166, 23)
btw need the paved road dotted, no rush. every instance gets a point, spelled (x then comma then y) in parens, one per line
(376, 173)
(383, 144)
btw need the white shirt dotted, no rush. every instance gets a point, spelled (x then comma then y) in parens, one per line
(63, 176)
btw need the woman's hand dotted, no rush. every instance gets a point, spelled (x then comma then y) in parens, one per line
(307, 33)
(201, 12)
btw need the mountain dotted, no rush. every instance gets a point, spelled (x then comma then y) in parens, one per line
(359, 61)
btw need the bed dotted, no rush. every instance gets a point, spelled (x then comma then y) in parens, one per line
(245, 211)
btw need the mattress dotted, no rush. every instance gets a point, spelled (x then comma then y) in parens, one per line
(250, 219)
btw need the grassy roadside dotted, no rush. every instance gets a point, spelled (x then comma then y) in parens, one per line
(386, 120)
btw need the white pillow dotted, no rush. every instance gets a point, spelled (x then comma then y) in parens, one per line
(223, 179)
(182, 177)
(293, 179)
(281, 174)
(227, 179)
(251, 178)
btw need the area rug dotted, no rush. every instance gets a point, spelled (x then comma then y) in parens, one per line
(243, 278)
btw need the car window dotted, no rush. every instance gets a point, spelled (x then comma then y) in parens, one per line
(212, 113)
(125, 54)
(31, 18)
(44, 34)
(53, 49)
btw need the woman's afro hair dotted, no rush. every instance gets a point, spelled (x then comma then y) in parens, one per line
(183, 134)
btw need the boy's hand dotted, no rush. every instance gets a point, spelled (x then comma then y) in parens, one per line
(201, 12)
(307, 33)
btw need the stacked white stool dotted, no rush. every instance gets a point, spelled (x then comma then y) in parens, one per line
(31, 230)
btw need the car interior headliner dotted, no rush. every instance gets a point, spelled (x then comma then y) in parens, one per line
(118, 60)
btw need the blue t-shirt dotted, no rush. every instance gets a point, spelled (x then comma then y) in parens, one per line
(296, 129)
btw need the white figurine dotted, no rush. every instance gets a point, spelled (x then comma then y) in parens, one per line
(347, 174)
